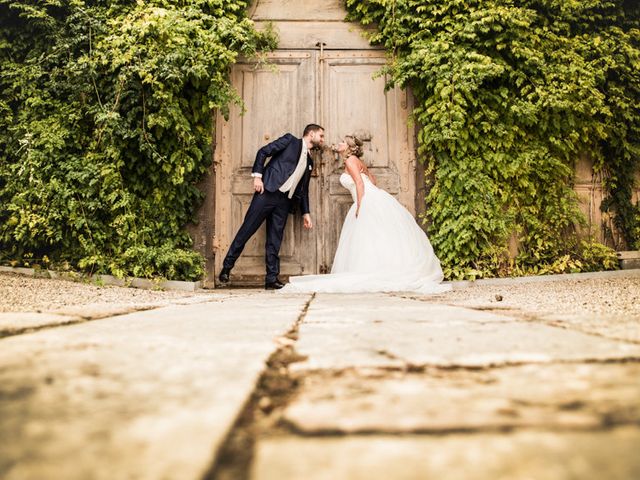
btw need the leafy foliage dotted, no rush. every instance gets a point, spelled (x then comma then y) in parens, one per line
(105, 127)
(509, 94)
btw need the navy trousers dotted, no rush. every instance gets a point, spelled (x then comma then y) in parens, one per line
(274, 208)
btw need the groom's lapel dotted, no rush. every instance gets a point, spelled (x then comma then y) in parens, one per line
(299, 150)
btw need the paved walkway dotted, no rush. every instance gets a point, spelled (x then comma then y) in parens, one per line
(261, 385)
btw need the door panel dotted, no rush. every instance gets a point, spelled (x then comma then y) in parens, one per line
(354, 101)
(276, 101)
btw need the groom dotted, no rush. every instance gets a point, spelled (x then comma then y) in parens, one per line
(279, 185)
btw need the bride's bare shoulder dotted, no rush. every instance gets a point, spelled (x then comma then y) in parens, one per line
(352, 163)
(353, 168)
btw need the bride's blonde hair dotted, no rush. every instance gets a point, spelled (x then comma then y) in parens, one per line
(354, 146)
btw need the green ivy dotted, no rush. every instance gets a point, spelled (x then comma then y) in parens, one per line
(509, 94)
(106, 127)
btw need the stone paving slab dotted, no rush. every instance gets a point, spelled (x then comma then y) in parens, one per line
(19, 322)
(13, 322)
(527, 455)
(357, 309)
(383, 331)
(575, 396)
(149, 395)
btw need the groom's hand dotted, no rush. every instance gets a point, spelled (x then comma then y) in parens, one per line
(258, 186)
(307, 221)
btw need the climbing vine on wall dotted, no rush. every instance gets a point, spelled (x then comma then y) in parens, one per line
(509, 95)
(105, 128)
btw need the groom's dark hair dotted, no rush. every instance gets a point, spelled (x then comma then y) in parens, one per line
(312, 127)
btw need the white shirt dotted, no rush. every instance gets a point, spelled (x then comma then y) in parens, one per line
(292, 182)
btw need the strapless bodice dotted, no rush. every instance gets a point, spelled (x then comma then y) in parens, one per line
(347, 182)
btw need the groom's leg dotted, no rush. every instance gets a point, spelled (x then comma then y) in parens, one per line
(276, 223)
(259, 209)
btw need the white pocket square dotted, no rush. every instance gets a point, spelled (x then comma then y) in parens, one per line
(310, 168)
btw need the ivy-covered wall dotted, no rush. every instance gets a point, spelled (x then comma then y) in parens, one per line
(105, 128)
(509, 94)
(105, 125)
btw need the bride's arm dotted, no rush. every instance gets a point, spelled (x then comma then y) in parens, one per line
(353, 167)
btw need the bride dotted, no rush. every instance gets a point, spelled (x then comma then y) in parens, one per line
(381, 247)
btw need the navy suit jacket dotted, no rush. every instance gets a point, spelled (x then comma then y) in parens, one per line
(284, 153)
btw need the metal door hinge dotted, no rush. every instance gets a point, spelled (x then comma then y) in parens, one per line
(321, 46)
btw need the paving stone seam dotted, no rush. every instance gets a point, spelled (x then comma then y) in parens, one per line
(21, 331)
(290, 428)
(235, 456)
(420, 368)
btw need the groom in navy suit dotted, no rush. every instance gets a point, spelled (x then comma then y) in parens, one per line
(280, 186)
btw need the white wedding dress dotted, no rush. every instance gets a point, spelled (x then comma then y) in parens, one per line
(382, 250)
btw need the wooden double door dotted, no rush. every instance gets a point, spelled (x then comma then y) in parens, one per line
(338, 90)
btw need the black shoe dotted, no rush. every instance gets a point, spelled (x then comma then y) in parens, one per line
(275, 285)
(224, 275)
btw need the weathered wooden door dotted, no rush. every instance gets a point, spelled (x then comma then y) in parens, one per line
(353, 101)
(338, 90)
